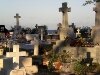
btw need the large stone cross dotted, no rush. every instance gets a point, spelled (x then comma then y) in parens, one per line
(17, 19)
(97, 15)
(16, 54)
(64, 9)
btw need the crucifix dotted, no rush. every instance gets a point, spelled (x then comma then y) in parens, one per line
(17, 19)
(63, 31)
(64, 9)
(16, 54)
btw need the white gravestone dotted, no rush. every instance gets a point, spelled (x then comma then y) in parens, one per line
(16, 54)
(18, 72)
(34, 41)
(27, 63)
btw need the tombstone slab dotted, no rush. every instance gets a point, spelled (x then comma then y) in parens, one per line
(31, 69)
(18, 72)
(25, 61)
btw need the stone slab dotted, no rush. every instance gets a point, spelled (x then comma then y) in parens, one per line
(25, 61)
(18, 72)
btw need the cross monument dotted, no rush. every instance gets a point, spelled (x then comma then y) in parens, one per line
(64, 9)
(16, 54)
(17, 19)
(64, 27)
(96, 29)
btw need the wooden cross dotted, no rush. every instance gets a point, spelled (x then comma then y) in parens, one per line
(16, 54)
(17, 19)
(64, 8)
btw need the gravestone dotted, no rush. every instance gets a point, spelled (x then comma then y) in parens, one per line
(16, 54)
(34, 38)
(26, 62)
(96, 28)
(17, 19)
(64, 27)
(18, 72)
(17, 28)
(88, 59)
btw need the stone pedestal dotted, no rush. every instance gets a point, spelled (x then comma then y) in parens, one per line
(26, 63)
(96, 28)
(96, 34)
(31, 69)
(18, 72)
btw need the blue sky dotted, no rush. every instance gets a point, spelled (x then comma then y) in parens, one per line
(44, 12)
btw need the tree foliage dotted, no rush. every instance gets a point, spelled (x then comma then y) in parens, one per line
(90, 2)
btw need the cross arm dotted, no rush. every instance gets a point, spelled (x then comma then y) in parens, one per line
(10, 54)
(23, 53)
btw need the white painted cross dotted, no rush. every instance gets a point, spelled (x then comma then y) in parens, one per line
(16, 54)
(78, 32)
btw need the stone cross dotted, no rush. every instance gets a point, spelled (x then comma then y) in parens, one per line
(16, 54)
(17, 19)
(64, 9)
(97, 15)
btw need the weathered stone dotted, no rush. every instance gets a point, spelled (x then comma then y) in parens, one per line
(18, 72)
(96, 28)
(64, 27)
(17, 19)
(25, 61)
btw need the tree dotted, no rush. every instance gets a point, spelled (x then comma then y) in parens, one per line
(90, 2)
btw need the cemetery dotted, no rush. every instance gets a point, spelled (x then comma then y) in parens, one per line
(68, 50)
